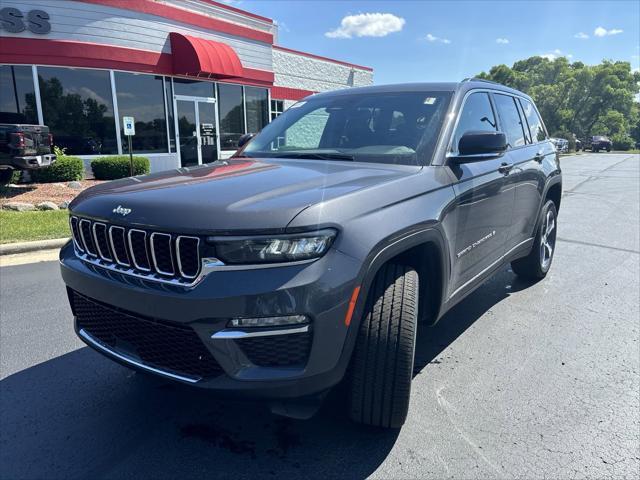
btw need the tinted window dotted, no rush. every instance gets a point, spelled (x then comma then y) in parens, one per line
(533, 119)
(142, 97)
(17, 97)
(77, 106)
(476, 115)
(510, 119)
(193, 88)
(257, 102)
(231, 113)
(397, 128)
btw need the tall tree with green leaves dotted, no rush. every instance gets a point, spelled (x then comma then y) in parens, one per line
(578, 99)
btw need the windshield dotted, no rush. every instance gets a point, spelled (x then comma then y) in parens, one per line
(400, 128)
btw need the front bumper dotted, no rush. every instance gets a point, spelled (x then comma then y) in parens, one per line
(320, 290)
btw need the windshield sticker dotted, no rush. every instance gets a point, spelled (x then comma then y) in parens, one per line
(429, 100)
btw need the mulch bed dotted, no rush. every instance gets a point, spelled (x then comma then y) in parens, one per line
(42, 192)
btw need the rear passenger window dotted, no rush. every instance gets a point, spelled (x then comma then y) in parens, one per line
(476, 115)
(533, 119)
(510, 119)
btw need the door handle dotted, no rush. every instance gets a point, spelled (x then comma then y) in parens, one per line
(505, 167)
(539, 156)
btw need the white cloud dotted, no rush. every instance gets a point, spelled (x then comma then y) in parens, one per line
(367, 25)
(433, 38)
(603, 32)
(555, 54)
(502, 41)
(581, 35)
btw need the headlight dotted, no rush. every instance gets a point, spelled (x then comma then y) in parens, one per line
(273, 248)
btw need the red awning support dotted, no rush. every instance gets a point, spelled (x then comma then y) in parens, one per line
(203, 58)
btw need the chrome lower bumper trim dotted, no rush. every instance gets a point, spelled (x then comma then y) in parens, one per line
(87, 337)
(237, 334)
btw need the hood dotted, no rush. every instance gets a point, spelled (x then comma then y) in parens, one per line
(235, 195)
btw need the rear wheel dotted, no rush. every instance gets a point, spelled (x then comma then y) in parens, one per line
(5, 176)
(382, 369)
(538, 262)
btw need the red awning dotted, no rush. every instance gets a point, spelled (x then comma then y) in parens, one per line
(196, 56)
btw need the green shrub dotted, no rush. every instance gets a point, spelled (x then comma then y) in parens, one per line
(65, 169)
(15, 176)
(622, 141)
(111, 168)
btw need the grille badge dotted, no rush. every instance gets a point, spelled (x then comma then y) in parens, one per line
(120, 210)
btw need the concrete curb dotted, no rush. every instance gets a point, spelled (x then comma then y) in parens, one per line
(25, 247)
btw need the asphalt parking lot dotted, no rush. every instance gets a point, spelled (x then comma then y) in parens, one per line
(518, 381)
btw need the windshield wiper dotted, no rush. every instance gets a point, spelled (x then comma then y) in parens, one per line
(315, 155)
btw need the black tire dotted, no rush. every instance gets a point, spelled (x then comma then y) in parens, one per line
(536, 265)
(382, 367)
(5, 176)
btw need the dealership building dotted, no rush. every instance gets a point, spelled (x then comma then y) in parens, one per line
(194, 74)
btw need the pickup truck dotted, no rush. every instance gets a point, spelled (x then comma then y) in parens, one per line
(24, 147)
(308, 258)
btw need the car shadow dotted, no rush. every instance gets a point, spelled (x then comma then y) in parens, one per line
(80, 415)
(8, 192)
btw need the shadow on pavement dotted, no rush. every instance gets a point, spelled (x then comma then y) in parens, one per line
(80, 415)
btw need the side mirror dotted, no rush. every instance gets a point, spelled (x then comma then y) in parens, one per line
(244, 139)
(480, 145)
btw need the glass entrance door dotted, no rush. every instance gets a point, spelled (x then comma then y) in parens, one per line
(197, 130)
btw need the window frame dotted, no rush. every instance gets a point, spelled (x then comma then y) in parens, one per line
(535, 108)
(463, 104)
(520, 115)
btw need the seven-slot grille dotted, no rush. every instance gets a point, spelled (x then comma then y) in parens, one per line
(158, 254)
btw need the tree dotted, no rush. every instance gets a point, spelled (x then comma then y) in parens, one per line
(576, 98)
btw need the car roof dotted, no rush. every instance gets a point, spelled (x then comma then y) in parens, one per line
(463, 87)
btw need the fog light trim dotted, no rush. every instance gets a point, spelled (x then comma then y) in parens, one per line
(278, 321)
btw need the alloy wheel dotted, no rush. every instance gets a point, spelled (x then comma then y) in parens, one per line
(547, 239)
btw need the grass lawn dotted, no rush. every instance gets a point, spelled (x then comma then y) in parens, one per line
(27, 226)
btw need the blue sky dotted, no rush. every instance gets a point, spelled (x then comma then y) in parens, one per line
(447, 41)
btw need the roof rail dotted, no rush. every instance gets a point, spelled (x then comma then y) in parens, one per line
(476, 79)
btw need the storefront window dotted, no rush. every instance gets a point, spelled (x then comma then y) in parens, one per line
(257, 104)
(77, 106)
(172, 128)
(142, 97)
(193, 88)
(231, 115)
(17, 97)
(277, 107)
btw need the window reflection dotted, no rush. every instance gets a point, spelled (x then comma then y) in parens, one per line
(77, 106)
(142, 97)
(257, 104)
(17, 95)
(231, 114)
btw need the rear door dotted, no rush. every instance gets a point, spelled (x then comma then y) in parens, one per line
(480, 222)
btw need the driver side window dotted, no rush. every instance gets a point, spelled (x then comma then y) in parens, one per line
(476, 115)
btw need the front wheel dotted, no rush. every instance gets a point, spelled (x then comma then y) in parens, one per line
(536, 265)
(382, 368)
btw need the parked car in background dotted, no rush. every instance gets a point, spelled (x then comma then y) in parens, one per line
(597, 143)
(561, 144)
(309, 257)
(578, 145)
(24, 147)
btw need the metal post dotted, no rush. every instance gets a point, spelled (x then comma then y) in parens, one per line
(130, 157)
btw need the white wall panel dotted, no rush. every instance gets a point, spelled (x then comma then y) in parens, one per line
(83, 22)
(306, 73)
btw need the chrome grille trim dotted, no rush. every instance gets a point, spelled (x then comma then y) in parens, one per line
(97, 243)
(132, 253)
(113, 247)
(178, 255)
(84, 240)
(153, 254)
(156, 257)
(75, 232)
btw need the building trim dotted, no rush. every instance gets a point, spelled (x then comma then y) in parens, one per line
(287, 93)
(233, 9)
(319, 57)
(192, 18)
(19, 51)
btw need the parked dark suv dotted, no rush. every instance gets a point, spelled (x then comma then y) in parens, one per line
(311, 256)
(597, 143)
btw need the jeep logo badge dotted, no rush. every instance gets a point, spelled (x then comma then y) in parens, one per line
(122, 211)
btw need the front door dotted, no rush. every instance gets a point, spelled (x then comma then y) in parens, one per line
(196, 129)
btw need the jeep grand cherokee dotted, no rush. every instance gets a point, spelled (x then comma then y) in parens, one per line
(312, 254)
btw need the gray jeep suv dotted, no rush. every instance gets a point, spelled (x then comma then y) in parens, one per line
(311, 256)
